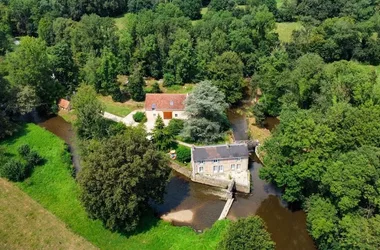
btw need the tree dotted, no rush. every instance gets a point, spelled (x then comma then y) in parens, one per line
(181, 58)
(245, 234)
(161, 136)
(90, 122)
(183, 154)
(45, 30)
(29, 65)
(13, 170)
(226, 71)
(5, 29)
(64, 68)
(107, 73)
(205, 108)
(218, 5)
(136, 85)
(120, 176)
(175, 126)
(190, 8)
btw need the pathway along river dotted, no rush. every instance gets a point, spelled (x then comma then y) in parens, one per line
(196, 205)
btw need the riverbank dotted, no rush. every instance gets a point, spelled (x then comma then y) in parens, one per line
(52, 186)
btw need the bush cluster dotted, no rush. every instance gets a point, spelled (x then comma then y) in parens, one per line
(139, 117)
(183, 154)
(16, 170)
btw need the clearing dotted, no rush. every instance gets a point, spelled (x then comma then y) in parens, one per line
(121, 109)
(52, 186)
(285, 30)
(25, 224)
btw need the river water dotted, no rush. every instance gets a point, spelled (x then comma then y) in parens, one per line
(199, 206)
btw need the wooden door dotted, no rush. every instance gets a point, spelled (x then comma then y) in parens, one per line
(168, 115)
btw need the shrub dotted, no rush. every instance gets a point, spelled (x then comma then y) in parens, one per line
(13, 170)
(183, 154)
(169, 80)
(139, 117)
(24, 150)
(34, 159)
(175, 126)
(247, 233)
(156, 88)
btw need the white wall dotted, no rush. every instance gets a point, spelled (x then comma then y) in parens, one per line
(152, 115)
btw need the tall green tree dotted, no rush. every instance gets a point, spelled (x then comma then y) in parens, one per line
(29, 65)
(181, 58)
(120, 176)
(107, 73)
(190, 8)
(161, 136)
(226, 71)
(205, 108)
(90, 122)
(136, 85)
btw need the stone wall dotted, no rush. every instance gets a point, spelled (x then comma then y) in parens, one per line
(180, 169)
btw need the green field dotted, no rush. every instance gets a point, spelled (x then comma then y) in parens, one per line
(285, 30)
(117, 108)
(52, 186)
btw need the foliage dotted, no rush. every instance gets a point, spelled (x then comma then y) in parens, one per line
(175, 126)
(142, 174)
(161, 136)
(24, 150)
(13, 170)
(183, 154)
(227, 74)
(205, 108)
(247, 233)
(29, 66)
(169, 80)
(190, 8)
(156, 88)
(136, 85)
(89, 123)
(139, 117)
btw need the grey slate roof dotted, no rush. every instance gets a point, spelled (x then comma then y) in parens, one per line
(207, 153)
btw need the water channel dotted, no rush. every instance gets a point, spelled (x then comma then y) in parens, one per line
(198, 206)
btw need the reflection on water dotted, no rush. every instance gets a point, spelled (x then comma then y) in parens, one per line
(183, 195)
(64, 130)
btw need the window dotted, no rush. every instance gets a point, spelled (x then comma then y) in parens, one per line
(154, 114)
(175, 115)
(238, 166)
(171, 103)
(215, 161)
(153, 106)
(215, 168)
(232, 167)
(200, 169)
(201, 162)
(221, 169)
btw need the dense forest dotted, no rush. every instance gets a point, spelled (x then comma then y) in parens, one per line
(324, 84)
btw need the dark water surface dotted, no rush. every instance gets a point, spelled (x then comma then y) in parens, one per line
(287, 228)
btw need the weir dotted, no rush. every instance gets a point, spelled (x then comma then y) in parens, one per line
(229, 202)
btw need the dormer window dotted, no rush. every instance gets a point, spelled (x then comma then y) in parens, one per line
(153, 106)
(171, 103)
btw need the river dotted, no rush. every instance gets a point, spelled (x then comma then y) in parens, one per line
(198, 206)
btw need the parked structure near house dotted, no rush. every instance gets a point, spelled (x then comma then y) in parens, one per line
(64, 104)
(217, 165)
(168, 106)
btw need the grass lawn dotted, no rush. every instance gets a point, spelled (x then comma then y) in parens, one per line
(121, 21)
(119, 108)
(285, 30)
(52, 186)
(68, 116)
(25, 224)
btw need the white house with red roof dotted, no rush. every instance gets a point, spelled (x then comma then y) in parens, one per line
(168, 106)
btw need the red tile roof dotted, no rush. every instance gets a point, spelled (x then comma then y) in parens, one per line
(165, 102)
(63, 103)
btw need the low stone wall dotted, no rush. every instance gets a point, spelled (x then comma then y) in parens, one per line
(210, 181)
(180, 169)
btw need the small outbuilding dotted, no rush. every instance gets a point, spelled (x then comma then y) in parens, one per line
(64, 104)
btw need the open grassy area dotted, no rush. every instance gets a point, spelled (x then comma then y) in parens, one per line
(25, 224)
(121, 21)
(68, 116)
(121, 109)
(53, 187)
(285, 30)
